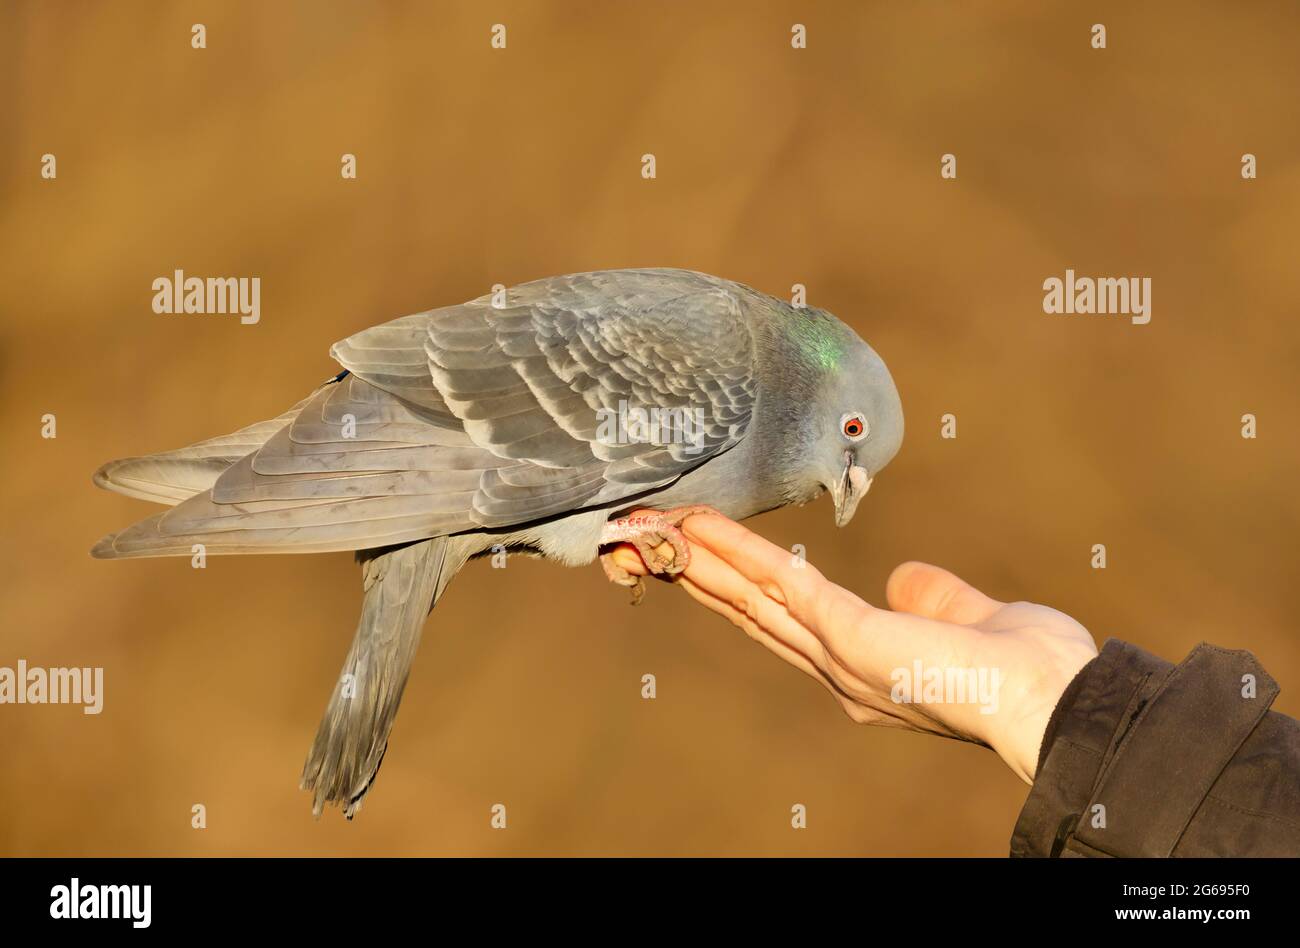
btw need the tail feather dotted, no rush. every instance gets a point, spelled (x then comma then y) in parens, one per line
(401, 586)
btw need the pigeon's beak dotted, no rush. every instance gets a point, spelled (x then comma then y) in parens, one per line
(848, 489)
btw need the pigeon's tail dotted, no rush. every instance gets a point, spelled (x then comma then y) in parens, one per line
(173, 476)
(401, 586)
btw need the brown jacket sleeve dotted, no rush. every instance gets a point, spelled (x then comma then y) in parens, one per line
(1142, 758)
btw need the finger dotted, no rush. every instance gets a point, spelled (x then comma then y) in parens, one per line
(836, 616)
(763, 563)
(736, 600)
(790, 655)
(935, 593)
(841, 636)
(867, 642)
(721, 583)
(815, 666)
(626, 556)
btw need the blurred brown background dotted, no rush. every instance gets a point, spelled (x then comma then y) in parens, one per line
(775, 166)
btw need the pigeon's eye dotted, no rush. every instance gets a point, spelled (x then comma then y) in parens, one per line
(854, 426)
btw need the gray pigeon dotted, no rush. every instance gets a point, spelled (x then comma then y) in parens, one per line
(532, 421)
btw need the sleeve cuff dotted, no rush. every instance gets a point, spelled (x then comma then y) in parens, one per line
(1133, 748)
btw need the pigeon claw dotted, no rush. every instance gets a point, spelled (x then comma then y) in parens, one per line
(617, 574)
(650, 533)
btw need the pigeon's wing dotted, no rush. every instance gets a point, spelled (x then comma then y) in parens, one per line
(568, 393)
(357, 468)
(172, 476)
(598, 386)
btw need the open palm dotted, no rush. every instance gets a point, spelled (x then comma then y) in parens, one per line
(944, 659)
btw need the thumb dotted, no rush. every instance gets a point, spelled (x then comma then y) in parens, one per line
(934, 593)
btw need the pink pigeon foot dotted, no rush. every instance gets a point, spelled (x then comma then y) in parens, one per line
(646, 532)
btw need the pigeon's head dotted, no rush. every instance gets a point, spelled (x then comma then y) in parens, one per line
(854, 425)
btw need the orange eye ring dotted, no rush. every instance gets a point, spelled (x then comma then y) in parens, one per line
(854, 426)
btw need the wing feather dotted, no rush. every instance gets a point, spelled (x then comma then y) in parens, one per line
(477, 416)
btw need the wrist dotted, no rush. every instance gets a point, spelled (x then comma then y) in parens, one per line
(1021, 743)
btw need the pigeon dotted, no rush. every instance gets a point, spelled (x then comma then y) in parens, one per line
(533, 420)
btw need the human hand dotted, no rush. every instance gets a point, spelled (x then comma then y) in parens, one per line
(864, 656)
